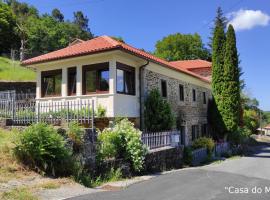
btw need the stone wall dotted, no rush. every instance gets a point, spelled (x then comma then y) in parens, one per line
(188, 112)
(164, 159)
(20, 87)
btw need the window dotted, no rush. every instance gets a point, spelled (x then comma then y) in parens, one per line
(182, 132)
(72, 81)
(204, 130)
(51, 82)
(163, 88)
(194, 94)
(194, 132)
(96, 78)
(181, 92)
(125, 78)
(204, 97)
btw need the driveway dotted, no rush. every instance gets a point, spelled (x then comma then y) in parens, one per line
(246, 178)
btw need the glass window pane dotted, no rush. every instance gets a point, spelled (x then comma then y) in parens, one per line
(104, 80)
(120, 80)
(90, 79)
(129, 83)
(58, 82)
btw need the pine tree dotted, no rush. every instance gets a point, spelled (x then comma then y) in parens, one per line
(231, 91)
(218, 46)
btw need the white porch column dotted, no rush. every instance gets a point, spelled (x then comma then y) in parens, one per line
(38, 86)
(64, 82)
(79, 83)
(112, 76)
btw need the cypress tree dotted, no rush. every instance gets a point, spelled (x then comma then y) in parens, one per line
(218, 46)
(231, 91)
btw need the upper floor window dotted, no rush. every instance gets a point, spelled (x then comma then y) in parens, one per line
(194, 95)
(51, 82)
(72, 73)
(164, 88)
(125, 79)
(181, 92)
(96, 78)
(204, 97)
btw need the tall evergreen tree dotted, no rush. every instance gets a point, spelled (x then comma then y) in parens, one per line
(218, 43)
(231, 90)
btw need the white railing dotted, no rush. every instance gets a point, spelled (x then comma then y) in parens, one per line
(154, 140)
(221, 148)
(24, 113)
(198, 156)
(13, 95)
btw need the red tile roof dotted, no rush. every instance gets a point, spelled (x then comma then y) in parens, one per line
(101, 44)
(192, 64)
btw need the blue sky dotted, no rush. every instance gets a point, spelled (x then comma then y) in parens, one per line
(142, 22)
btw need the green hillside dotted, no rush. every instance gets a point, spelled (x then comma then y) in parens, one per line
(14, 71)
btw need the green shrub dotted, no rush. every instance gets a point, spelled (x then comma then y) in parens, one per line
(158, 113)
(101, 111)
(40, 147)
(204, 142)
(240, 136)
(122, 141)
(187, 155)
(76, 133)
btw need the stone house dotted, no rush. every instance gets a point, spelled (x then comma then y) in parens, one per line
(119, 77)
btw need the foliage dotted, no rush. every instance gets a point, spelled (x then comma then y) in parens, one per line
(122, 141)
(251, 120)
(57, 15)
(41, 148)
(101, 111)
(187, 155)
(76, 133)
(39, 34)
(88, 180)
(240, 136)
(158, 113)
(7, 24)
(204, 142)
(118, 38)
(181, 47)
(231, 102)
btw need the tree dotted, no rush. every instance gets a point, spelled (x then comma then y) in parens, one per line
(46, 35)
(57, 15)
(7, 26)
(22, 11)
(158, 113)
(82, 22)
(231, 89)
(181, 47)
(218, 46)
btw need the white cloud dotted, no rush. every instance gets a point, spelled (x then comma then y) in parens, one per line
(248, 19)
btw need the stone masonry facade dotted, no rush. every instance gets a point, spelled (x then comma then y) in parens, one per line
(188, 112)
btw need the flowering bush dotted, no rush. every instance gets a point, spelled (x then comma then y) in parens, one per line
(123, 141)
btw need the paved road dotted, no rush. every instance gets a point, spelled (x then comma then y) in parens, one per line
(202, 183)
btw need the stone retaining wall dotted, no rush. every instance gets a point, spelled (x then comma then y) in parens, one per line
(20, 87)
(164, 159)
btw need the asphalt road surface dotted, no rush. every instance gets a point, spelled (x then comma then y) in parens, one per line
(246, 178)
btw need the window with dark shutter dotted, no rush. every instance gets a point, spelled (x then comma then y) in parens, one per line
(194, 94)
(204, 97)
(163, 88)
(181, 92)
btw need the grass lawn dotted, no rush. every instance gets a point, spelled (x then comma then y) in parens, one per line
(14, 72)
